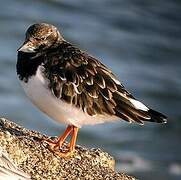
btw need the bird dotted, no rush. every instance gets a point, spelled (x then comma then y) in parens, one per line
(73, 87)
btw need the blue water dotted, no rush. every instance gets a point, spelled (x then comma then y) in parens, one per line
(141, 41)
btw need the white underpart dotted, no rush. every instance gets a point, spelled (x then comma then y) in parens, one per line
(60, 111)
(138, 105)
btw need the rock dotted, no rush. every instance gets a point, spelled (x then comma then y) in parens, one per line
(8, 170)
(28, 153)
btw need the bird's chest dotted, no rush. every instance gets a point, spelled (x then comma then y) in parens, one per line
(39, 93)
(37, 89)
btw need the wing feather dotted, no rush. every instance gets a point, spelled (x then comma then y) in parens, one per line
(84, 82)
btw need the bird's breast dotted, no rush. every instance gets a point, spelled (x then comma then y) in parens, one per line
(37, 89)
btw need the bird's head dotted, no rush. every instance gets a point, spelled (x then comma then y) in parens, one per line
(39, 37)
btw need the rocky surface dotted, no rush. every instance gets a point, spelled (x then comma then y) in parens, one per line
(28, 153)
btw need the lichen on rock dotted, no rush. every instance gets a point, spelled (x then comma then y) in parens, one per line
(26, 150)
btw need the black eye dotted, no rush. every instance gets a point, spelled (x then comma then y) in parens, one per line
(42, 46)
(43, 38)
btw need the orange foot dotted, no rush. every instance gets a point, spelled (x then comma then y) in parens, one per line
(55, 146)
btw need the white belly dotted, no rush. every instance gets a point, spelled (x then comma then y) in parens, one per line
(37, 90)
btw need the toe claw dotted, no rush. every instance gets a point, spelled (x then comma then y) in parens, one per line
(66, 154)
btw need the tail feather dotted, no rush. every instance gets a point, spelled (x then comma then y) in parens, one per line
(156, 116)
(131, 114)
(130, 109)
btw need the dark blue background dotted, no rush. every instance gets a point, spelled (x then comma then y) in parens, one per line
(141, 41)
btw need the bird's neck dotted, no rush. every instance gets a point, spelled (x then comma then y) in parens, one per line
(27, 65)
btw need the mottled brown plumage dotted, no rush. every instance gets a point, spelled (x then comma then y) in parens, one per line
(84, 82)
(75, 78)
(81, 80)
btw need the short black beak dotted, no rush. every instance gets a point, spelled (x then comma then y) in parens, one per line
(27, 47)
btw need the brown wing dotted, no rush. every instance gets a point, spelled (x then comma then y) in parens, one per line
(83, 81)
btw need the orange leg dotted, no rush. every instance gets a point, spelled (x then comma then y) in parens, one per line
(56, 145)
(74, 138)
(61, 139)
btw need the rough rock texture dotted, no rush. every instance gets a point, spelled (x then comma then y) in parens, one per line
(25, 149)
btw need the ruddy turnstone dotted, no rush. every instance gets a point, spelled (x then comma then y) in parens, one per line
(73, 87)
